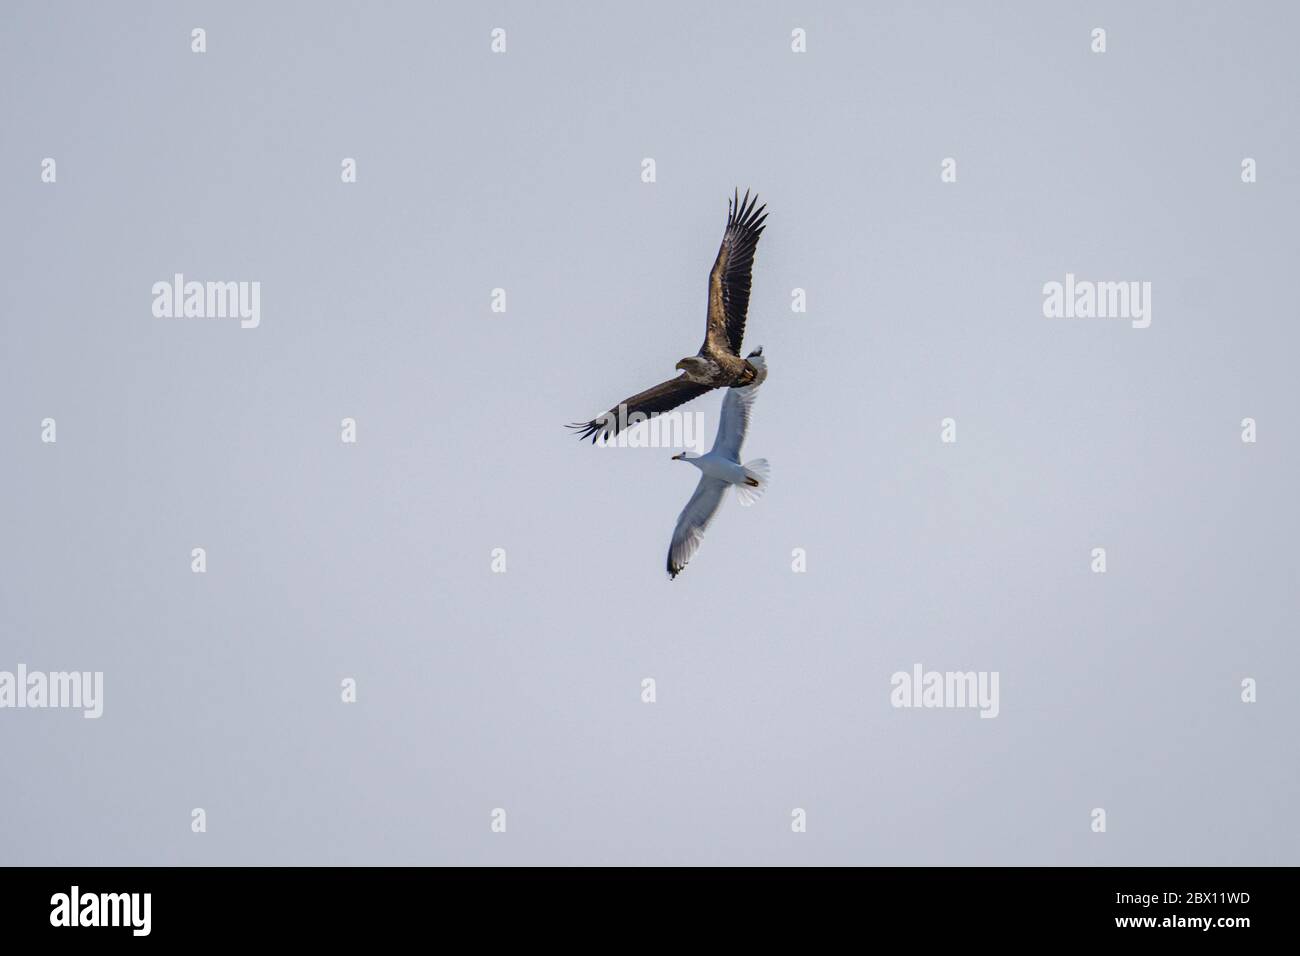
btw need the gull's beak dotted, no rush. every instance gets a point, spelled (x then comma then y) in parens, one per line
(679, 457)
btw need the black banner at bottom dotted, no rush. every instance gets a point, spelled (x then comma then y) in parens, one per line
(370, 905)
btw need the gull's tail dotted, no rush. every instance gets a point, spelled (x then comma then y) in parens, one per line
(757, 475)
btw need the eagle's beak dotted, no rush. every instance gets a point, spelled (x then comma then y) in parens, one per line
(681, 366)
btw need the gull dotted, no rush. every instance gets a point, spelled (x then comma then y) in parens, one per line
(721, 469)
(718, 363)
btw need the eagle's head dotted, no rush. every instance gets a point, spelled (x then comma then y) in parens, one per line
(697, 368)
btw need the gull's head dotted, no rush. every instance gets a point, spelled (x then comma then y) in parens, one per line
(680, 457)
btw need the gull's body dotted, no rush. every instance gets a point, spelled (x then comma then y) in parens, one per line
(720, 469)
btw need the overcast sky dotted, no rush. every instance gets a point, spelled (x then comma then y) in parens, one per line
(522, 690)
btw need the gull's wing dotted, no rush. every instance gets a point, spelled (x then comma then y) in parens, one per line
(736, 409)
(730, 277)
(693, 521)
(664, 396)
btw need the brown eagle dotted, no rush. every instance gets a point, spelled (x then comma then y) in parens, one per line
(718, 363)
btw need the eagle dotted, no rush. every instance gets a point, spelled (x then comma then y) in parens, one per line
(718, 363)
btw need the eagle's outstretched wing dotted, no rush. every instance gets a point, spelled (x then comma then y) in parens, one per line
(664, 396)
(729, 280)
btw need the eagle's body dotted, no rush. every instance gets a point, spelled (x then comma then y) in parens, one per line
(718, 363)
(717, 370)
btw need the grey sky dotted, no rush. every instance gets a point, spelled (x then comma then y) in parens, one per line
(522, 690)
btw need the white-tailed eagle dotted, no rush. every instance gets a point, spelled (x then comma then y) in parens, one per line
(718, 363)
